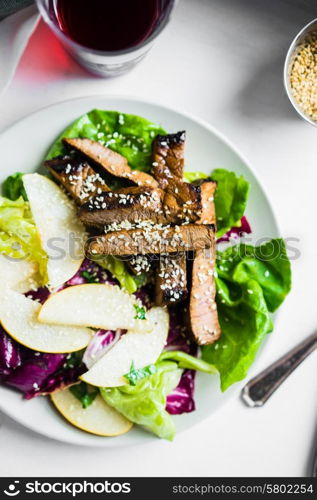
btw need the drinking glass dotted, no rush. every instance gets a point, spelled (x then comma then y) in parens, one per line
(106, 63)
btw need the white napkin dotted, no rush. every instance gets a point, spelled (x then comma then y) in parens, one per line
(15, 32)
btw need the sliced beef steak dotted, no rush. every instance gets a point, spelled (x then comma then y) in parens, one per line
(168, 158)
(207, 212)
(183, 201)
(203, 316)
(77, 177)
(153, 239)
(112, 162)
(171, 282)
(130, 205)
(140, 264)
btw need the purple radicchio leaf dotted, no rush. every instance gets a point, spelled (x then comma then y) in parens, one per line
(236, 232)
(61, 379)
(90, 272)
(40, 295)
(178, 338)
(101, 342)
(33, 372)
(10, 354)
(181, 400)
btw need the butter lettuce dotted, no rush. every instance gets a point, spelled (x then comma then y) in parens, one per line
(127, 134)
(194, 176)
(230, 199)
(188, 362)
(19, 238)
(119, 270)
(145, 402)
(251, 283)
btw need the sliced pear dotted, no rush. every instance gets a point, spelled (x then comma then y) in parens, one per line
(98, 306)
(98, 418)
(18, 316)
(142, 349)
(61, 232)
(19, 275)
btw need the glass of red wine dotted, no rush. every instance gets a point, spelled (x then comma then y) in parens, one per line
(107, 37)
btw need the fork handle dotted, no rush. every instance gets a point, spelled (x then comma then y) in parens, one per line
(259, 389)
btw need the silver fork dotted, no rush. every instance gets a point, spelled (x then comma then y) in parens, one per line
(260, 388)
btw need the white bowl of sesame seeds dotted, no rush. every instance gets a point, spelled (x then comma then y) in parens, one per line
(300, 73)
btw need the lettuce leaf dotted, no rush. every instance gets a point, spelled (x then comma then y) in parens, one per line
(127, 134)
(252, 282)
(194, 176)
(188, 362)
(230, 199)
(19, 238)
(13, 187)
(145, 402)
(119, 270)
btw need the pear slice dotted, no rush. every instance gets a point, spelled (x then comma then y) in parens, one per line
(98, 418)
(142, 349)
(18, 316)
(96, 305)
(19, 275)
(61, 232)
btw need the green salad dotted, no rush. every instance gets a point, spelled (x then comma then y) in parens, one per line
(106, 306)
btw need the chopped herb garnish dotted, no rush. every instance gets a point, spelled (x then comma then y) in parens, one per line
(89, 277)
(140, 312)
(74, 359)
(85, 394)
(136, 374)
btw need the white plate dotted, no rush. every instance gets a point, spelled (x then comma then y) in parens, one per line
(23, 147)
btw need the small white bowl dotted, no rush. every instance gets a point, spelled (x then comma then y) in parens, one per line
(291, 54)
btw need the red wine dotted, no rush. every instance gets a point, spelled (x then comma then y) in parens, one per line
(109, 25)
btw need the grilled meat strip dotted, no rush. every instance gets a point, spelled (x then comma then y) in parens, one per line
(153, 240)
(77, 177)
(203, 316)
(130, 205)
(183, 201)
(207, 193)
(140, 264)
(168, 158)
(171, 282)
(112, 162)
(136, 204)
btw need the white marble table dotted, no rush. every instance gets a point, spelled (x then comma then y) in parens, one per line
(221, 60)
